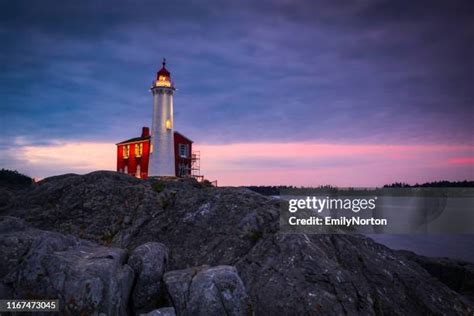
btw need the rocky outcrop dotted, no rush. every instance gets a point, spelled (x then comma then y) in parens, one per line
(149, 263)
(87, 278)
(206, 228)
(456, 274)
(208, 291)
(341, 274)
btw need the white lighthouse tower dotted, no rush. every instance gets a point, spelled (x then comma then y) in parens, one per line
(162, 157)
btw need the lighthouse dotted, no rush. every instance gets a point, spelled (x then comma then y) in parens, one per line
(162, 156)
(164, 151)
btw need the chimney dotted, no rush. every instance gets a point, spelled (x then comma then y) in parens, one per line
(145, 131)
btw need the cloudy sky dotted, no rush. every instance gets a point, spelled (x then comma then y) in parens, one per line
(349, 93)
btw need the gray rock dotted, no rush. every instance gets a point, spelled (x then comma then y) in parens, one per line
(164, 311)
(5, 198)
(208, 291)
(177, 284)
(149, 262)
(458, 275)
(87, 278)
(301, 274)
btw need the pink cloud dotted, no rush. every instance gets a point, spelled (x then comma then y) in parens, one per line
(301, 163)
(40, 161)
(462, 161)
(335, 164)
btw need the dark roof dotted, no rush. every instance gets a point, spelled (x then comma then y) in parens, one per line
(137, 139)
(183, 136)
(163, 71)
(133, 140)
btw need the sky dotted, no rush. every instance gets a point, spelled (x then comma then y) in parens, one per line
(347, 93)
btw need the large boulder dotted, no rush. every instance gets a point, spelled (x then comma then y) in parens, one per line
(149, 263)
(93, 207)
(302, 274)
(87, 278)
(208, 291)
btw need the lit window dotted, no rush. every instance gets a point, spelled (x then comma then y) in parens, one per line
(183, 150)
(126, 151)
(138, 173)
(138, 150)
(168, 124)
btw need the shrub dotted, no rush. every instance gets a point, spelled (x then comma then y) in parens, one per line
(158, 187)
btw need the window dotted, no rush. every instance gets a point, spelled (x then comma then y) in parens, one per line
(126, 151)
(138, 150)
(183, 150)
(163, 81)
(138, 173)
(168, 124)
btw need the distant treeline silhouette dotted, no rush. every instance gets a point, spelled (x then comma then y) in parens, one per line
(14, 178)
(276, 190)
(434, 184)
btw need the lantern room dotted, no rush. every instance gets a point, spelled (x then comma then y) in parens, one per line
(163, 77)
